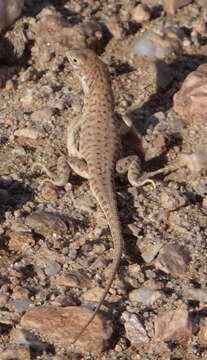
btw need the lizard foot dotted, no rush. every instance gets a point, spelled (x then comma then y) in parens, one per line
(63, 171)
(132, 165)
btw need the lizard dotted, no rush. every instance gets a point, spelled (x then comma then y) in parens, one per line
(93, 144)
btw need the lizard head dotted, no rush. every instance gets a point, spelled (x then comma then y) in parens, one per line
(76, 58)
(87, 66)
(81, 62)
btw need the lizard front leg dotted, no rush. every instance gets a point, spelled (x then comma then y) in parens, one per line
(75, 160)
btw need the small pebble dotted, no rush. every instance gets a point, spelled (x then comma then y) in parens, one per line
(158, 43)
(20, 242)
(48, 192)
(170, 199)
(42, 115)
(140, 13)
(30, 133)
(173, 259)
(21, 304)
(145, 295)
(52, 268)
(93, 294)
(135, 331)
(150, 252)
(76, 278)
(45, 222)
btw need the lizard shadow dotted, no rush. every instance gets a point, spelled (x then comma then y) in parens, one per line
(162, 101)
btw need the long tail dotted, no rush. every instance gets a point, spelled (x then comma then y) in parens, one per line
(110, 210)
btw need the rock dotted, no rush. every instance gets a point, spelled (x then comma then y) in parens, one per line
(28, 98)
(93, 294)
(200, 187)
(17, 352)
(196, 161)
(196, 294)
(20, 241)
(158, 43)
(52, 268)
(171, 6)
(44, 222)
(3, 299)
(48, 191)
(20, 305)
(202, 335)
(190, 100)
(170, 199)
(140, 13)
(30, 133)
(42, 115)
(149, 252)
(145, 295)
(10, 10)
(5, 181)
(76, 278)
(114, 27)
(135, 331)
(54, 30)
(204, 203)
(152, 3)
(173, 259)
(9, 318)
(173, 325)
(19, 151)
(60, 325)
(85, 203)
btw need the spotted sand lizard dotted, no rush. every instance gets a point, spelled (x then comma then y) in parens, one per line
(93, 144)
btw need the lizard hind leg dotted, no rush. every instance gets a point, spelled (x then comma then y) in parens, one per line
(79, 166)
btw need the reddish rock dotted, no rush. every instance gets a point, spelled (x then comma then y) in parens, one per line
(173, 325)
(60, 326)
(20, 241)
(54, 35)
(190, 101)
(76, 278)
(173, 259)
(17, 352)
